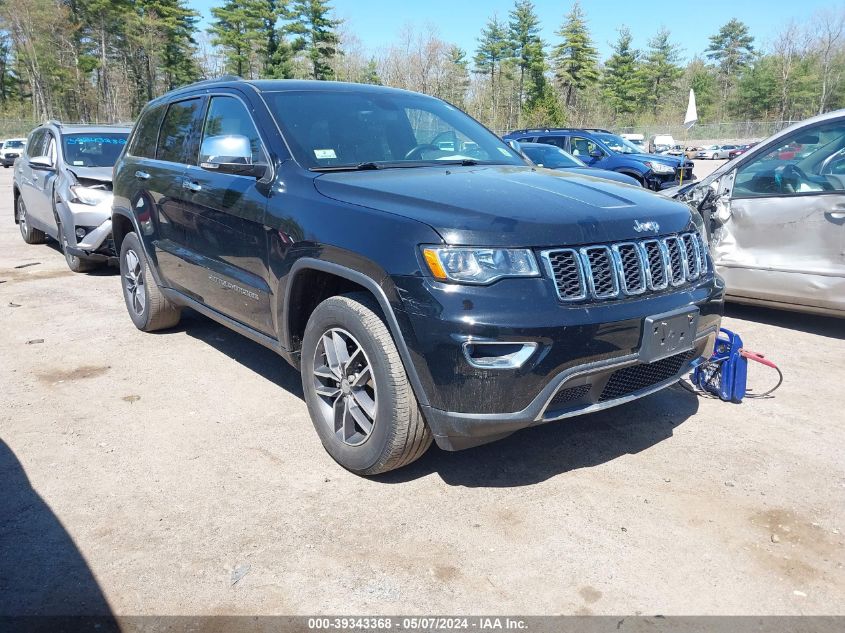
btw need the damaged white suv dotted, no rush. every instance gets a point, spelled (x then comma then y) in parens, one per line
(63, 190)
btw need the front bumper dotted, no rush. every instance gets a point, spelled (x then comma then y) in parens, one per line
(587, 356)
(9, 159)
(97, 244)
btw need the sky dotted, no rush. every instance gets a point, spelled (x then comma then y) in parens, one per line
(691, 23)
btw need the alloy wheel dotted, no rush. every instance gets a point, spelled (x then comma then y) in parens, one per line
(343, 380)
(22, 218)
(133, 280)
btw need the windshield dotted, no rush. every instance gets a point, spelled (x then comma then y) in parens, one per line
(551, 156)
(334, 129)
(619, 144)
(12, 144)
(93, 150)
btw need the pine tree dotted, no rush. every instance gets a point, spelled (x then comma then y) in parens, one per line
(575, 58)
(241, 28)
(526, 48)
(660, 70)
(732, 48)
(493, 49)
(315, 27)
(175, 24)
(621, 84)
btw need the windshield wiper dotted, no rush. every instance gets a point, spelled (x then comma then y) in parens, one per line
(359, 167)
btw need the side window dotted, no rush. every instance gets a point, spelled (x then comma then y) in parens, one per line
(176, 138)
(559, 141)
(229, 135)
(35, 144)
(808, 161)
(584, 147)
(146, 133)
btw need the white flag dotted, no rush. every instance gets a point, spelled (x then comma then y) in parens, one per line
(692, 114)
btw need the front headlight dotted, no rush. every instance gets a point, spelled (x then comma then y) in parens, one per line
(89, 195)
(479, 265)
(660, 168)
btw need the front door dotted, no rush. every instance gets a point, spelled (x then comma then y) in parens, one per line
(228, 212)
(784, 238)
(588, 151)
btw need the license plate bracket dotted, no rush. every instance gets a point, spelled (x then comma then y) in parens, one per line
(668, 334)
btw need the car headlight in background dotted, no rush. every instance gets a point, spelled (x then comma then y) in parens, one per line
(479, 265)
(89, 195)
(660, 168)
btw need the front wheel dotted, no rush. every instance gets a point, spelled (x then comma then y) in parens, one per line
(148, 308)
(356, 388)
(29, 234)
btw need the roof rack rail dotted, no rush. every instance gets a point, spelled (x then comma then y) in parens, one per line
(597, 129)
(214, 80)
(55, 122)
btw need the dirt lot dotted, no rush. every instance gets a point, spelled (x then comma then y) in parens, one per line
(178, 473)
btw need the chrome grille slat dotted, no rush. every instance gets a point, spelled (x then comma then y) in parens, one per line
(610, 271)
(600, 271)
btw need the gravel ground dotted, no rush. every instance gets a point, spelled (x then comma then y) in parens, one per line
(179, 473)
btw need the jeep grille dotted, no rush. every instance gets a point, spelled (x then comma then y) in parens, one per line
(626, 268)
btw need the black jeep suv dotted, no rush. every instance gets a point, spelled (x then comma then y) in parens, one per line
(427, 282)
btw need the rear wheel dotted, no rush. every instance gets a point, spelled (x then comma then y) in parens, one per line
(148, 308)
(356, 388)
(29, 234)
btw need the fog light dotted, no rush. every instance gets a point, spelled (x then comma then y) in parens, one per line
(80, 232)
(497, 354)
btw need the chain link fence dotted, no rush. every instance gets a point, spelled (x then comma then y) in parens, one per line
(12, 128)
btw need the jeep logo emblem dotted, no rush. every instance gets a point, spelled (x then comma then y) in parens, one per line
(639, 227)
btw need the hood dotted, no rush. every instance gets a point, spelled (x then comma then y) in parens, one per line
(508, 205)
(604, 174)
(103, 174)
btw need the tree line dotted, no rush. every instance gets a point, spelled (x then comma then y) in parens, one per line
(102, 60)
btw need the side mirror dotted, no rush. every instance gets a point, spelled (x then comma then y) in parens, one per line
(514, 145)
(41, 162)
(230, 154)
(596, 154)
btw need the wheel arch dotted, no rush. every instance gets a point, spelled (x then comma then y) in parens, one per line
(332, 279)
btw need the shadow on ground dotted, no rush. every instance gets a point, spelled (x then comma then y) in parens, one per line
(42, 573)
(525, 458)
(810, 323)
(540, 453)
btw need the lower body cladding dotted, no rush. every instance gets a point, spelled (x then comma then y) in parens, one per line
(497, 359)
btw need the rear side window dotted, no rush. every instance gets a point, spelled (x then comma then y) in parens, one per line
(176, 140)
(146, 134)
(559, 141)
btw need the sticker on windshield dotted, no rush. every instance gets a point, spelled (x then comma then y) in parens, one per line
(504, 151)
(79, 163)
(324, 153)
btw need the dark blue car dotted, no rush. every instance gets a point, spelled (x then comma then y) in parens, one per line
(553, 157)
(604, 150)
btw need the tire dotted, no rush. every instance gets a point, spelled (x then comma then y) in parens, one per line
(29, 234)
(397, 433)
(148, 308)
(74, 262)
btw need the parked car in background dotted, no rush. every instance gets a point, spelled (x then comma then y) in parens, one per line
(661, 143)
(11, 149)
(604, 150)
(636, 139)
(715, 152)
(553, 157)
(675, 150)
(692, 151)
(740, 149)
(424, 292)
(776, 218)
(62, 190)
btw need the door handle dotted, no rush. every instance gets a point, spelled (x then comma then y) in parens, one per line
(142, 175)
(835, 215)
(191, 185)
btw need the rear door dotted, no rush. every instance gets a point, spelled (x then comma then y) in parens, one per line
(165, 143)
(228, 211)
(784, 239)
